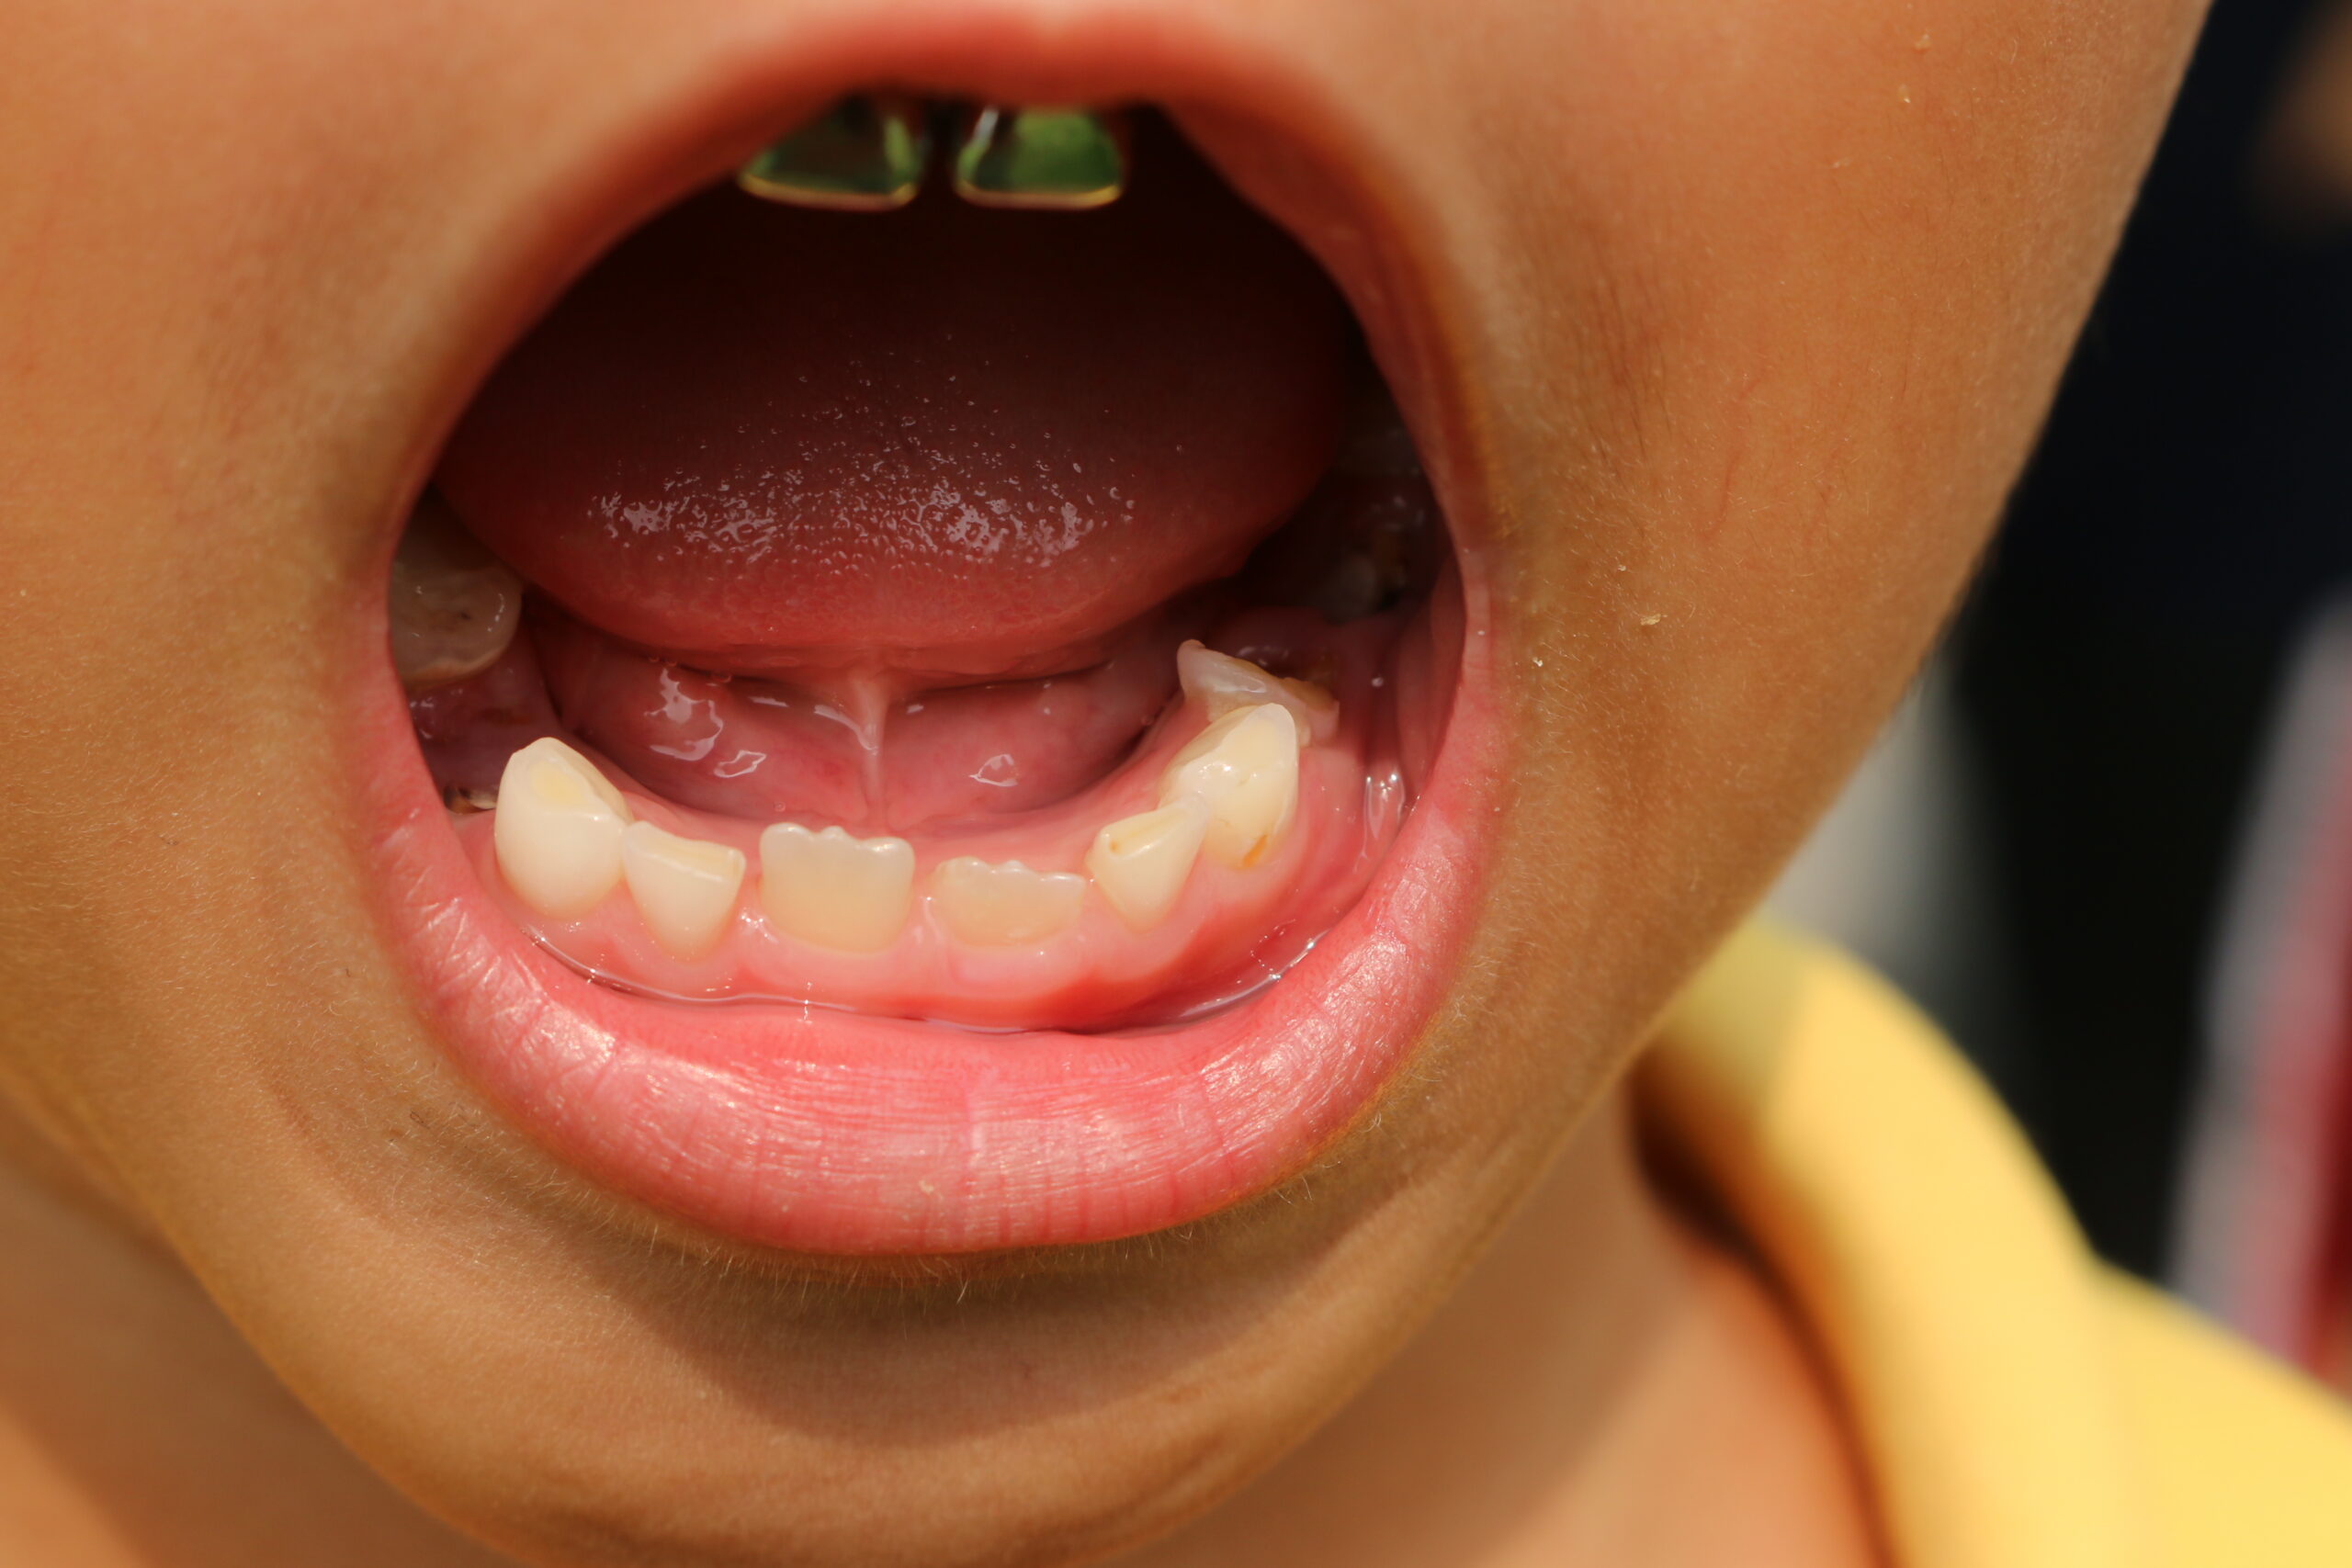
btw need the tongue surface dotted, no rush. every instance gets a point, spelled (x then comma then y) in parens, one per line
(946, 440)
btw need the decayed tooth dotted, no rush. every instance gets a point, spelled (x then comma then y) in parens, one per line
(684, 888)
(558, 830)
(1244, 768)
(836, 890)
(1004, 905)
(454, 607)
(1140, 863)
(1221, 684)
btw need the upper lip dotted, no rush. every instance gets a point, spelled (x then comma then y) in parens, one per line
(829, 1133)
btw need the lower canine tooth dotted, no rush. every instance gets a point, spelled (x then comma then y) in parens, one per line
(1001, 906)
(834, 890)
(684, 888)
(558, 830)
(1244, 768)
(1221, 684)
(1139, 863)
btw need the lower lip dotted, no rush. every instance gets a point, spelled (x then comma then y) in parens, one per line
(828, 1133)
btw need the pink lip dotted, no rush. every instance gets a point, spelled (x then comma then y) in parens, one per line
(828, 1133)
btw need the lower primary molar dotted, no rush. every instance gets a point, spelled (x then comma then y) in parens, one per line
(453, 609)
(1249, 818)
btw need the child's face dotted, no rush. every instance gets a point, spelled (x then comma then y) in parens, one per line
(1720, 331)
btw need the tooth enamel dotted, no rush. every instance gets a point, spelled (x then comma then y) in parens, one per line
(454, 608)
(1244, 768)
(1001, 906)
(836, 890)
(1221, 684)
(1139, 863)
(684, 888)
(558, 830)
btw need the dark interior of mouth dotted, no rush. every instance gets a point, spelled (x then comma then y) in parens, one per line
(1009, 618)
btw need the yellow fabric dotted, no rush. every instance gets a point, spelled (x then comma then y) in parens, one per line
(2018, 1406)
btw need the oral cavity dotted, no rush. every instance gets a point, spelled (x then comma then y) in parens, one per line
(1049, 637)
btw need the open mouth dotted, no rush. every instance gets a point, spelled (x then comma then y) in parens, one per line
(938, 730)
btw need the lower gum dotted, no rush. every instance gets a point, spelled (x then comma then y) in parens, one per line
(1230, 934)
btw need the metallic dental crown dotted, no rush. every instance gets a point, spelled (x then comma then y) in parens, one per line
(870, 153)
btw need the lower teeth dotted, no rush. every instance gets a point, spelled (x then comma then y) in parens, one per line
(1214, 863)
(1232, 792)
(1242, 830)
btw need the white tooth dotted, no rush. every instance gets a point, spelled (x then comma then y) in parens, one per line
(1140, 863)
(684, 888)
(549, 748)
(1244, 767)
(454, 607)
(1221, 684)
(558, 830)
(1001, 906)
(836, 890)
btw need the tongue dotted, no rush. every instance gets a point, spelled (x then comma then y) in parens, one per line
(947, 440)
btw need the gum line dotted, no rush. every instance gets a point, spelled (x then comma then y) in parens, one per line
(1230, 930)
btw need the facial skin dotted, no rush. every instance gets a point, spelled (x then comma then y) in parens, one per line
(1738, 323)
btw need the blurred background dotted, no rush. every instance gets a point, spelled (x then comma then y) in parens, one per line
(2108, 841)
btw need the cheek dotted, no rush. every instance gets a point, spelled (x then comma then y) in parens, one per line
(1769, 306)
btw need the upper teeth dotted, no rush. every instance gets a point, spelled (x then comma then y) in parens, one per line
(565, 838)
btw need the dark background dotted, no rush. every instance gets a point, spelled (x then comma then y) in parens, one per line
(2113, 675)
